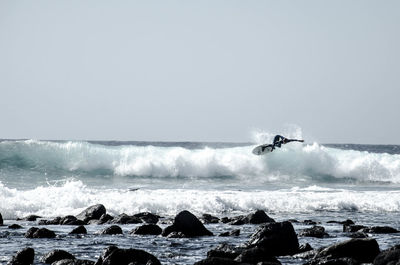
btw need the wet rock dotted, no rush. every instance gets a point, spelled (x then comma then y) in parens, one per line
(389, 256)
(346, 222)
(56, 255)
(225, 251)
(279, 238)
(35, 232)
(209, 219)
(126, 219)
(353, 228)
(1, 220)
(71, 220)
(304, 248)
(14, 226)
(55, 221)
(363, 250)
(79, 230)
(73, 262)
(147, 217)
(112, 230)
(218, 261)
(259, 217)
(358, 235)
(333, 261)
(92, 212)
(255, 255)
(105, 218)
(315, 231)
(23, 257)
(148, 229)
(29, 218)
(187, 224)
(235, 232)
(309, 222)
(380, 230)
(115, 256)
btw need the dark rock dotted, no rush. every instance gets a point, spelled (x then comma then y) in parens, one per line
(56, 255)
(279, 238)
(79, 230)
(346, 222)
(1, 220)
(363, 250)
(380, 230)
(225, 251)
(353, 228)
(112, 230)
(55, 221)
(73, 262)
(148, 217)
(188, 224)
(126, 219)
(332, 261)
(225, 220)
(92, 212)
(14, 226)
(35, 232)
(209, 219)
(218, 261)
(29, 218)
(176, 235)
(358, 235)
(255, 255)
(115, 256)
(309, 222)
(235, 232)
(238, 220)
(105, 218)
(315, 231)
(71, 220)
(23, 257)
(259, 217)
(389, 256)
(304, 248)
(148, 229)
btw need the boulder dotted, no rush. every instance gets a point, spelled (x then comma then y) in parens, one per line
(1, 220)
(73, 262)
(388, 256)
(363, 250)
(23, 257)
(35, 232)
(332, 261)
(126, 219)
(259, 217)
(14, 226)
(225, 251)
(79, 230)
(345, 222)
(55, 221)
(112, 230)
(56, 255)
(187, 224)
(92, 212)
(115, 256)
(29, 218)
(255, 255)
(148, 218)
(235, 232)
(353, 228)
(218, 261)
(380, 230)
(209, 219)
(148, 229)
(278, 238)
(315, 231)
(70, 220)
(105, 218)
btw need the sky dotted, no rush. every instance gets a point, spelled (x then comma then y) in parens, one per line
(200, 70)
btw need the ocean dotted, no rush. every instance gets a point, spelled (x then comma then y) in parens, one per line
(321, 182)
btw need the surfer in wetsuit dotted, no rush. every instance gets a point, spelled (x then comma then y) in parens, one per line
(279, 140)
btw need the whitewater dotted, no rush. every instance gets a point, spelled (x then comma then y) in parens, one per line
(56, 178)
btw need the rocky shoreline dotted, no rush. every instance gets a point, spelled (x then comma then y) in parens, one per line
(271, 240)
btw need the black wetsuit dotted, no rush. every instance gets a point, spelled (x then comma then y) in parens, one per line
(278, 140)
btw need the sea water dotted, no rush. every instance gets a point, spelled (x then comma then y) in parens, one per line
(298, 181)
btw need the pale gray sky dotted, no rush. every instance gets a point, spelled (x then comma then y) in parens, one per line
(200, 70)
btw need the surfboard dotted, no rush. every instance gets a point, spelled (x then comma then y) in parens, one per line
(262, 149)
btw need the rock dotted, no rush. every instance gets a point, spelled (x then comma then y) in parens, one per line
(56, 255)
(353, 228)
(363, 250)
(55, 221)
(315, 231)
(35, 232)
(1, 220)
(14, 226)
(358, 235)
(112, 230)
(388, 256)
(73, 262)
(380, 230)
(279, 238)
(29, 218)
(346, 222)
(148, 229)
(309, 222)
(148, 217)
(304, 248)
(218, 261)
(115, 256)
(255, 255)
(235, 232)
(92, 212)
(105, 218)
(188, 224)
(126, 219)
(333, 261)
(209, 219)
(79, 230)
(23, 257)
(259, 217)
(71, 220)
(225, 251)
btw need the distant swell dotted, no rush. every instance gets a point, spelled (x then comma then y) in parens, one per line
(294, 162)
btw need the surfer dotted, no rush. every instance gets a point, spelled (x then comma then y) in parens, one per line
(279, 140)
